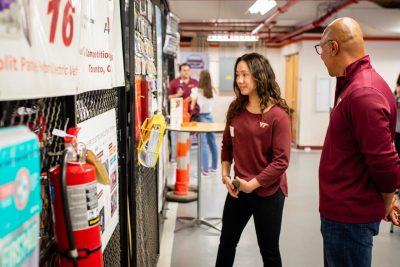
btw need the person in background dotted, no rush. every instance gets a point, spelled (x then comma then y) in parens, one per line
(257, 139)
(358, 171)
(203, 96)
(180, 87)
(397, 134)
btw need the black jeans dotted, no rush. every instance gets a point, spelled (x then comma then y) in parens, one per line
(267, 212)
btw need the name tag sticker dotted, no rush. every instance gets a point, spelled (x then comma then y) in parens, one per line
(232, 130)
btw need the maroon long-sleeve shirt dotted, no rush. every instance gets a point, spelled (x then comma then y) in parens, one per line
(186, 87)
(358, 159)
(259, 146)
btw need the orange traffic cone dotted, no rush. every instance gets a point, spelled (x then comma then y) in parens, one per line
(182, 174)
(188, 159)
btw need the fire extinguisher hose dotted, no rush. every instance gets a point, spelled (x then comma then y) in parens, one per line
(73, 253)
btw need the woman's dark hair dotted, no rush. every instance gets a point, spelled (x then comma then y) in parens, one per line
(205, 84)
(266, 86)
(398, 80)
(397, 85)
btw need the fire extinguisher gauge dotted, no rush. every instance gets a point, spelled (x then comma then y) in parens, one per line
(81, 152)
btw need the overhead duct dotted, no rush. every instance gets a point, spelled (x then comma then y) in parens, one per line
(315, 23)
(278, 11)
(387, 3)
(214, 31)
(218, 23)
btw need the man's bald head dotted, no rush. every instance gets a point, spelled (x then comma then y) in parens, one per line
(342, 43)
(347, 32)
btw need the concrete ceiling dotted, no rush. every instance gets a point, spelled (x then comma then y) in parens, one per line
(201, 18)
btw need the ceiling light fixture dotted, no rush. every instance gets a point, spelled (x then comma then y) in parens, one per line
(262, 6)
(232, 38)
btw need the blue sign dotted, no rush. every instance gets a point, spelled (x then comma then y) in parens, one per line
(20, 200)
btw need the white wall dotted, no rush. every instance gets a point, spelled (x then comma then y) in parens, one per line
(385, 58)
(220, 107)
(312, 125)
(277, 61)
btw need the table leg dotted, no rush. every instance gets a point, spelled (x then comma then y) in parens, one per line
(198, 220)
(198, 174)
(186, 225)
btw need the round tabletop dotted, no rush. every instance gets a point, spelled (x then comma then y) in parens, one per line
(200, 127)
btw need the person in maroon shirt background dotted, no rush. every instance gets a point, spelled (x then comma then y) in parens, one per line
(180, 87)
(358, 172)
(257, 139)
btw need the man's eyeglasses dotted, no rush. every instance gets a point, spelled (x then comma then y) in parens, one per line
(318, 47)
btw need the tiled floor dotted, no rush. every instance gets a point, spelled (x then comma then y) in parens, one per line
(301, 242)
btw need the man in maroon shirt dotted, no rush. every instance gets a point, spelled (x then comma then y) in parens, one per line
(358, 172)
(180, 87)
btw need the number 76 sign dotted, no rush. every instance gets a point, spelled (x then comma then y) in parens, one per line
(67, 26)
(59, 47)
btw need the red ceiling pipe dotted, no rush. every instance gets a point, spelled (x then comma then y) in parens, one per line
(315, 23)
(278, 11)
(227, 31)
(216, 23)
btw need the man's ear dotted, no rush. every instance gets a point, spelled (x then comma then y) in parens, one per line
(334, 46)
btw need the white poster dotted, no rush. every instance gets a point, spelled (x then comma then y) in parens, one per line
(47, 48)
(325, 94)
(197, 62)
(99, 134)
(162, 158)
(159, 59)
(101, 58)
(176, 111)
(39, 41)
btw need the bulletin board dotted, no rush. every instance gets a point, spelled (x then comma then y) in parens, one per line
(226, 73)
(324, 96)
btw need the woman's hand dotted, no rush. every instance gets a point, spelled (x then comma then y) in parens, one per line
(234, 192)
(248, 186)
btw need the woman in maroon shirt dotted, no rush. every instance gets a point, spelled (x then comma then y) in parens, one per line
(257, 139)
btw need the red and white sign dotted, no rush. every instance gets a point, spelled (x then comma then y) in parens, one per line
(59, 47)
(101, 58)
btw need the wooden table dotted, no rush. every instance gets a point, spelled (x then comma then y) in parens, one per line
(200, 127)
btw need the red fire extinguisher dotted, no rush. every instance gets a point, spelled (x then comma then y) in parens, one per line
(75, 208)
